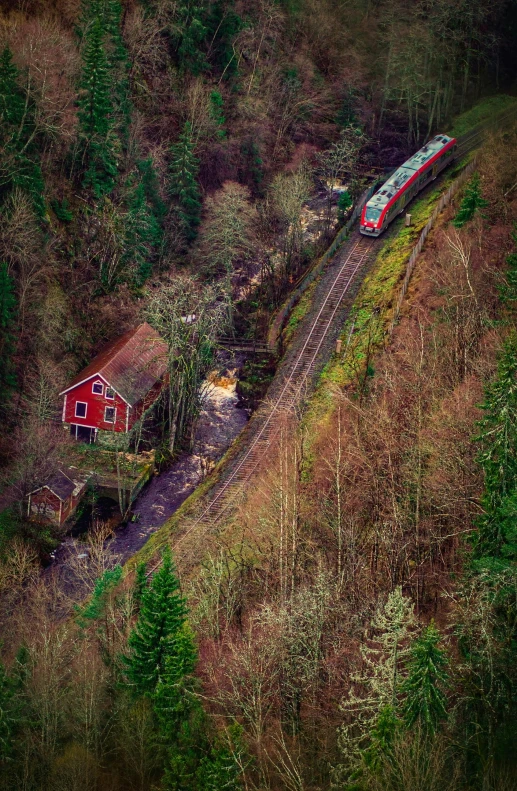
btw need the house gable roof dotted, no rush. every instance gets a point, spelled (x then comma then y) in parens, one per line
(131, 364)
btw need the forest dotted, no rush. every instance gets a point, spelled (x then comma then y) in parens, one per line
(352, 624)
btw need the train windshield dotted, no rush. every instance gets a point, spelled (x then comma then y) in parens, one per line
(372, 214)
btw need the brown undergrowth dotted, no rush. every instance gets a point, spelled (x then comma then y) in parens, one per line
(383, 492)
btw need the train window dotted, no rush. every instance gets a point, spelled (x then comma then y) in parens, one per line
(372, 214)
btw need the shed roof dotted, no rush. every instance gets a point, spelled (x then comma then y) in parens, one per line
(131, 364)
(60, 484)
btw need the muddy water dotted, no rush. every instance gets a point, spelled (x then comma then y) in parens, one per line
(220, 421)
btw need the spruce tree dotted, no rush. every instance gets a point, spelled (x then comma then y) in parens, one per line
(96, 115)
(152, 641)
(382, 737)
(96, 606)
(20, 158)
(189, 34)
(498, 456)
(12, 102)
(143, 235)
(7, 321)
(424, 687)
(508, 290)
(95, 106)
(379, 684)
(108, 13)
(173, 697)
(471, 203)
(218, 770)
(217, 113)
(223, 24)
(184, 188)
(152, 189)
(7, 716)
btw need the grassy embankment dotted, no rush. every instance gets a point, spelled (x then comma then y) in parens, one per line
(365, 329)
(484, 111)
(370, 317)
(161, 538)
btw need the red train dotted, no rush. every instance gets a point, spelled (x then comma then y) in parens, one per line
(408, 179)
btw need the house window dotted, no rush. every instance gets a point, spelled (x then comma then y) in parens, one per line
(109, 414)
(110, 393)
(80, 409)
(98, 388)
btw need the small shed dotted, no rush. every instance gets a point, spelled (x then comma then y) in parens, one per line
(57, 499)
(114, 390)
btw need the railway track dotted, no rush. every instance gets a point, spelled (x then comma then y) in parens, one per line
(297, 373)
(290, 391)
(473, 139)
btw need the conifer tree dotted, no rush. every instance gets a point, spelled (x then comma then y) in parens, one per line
(425, 701)
(173, 697)
(498, 458)
(152, 189)
(218, 770)
(152, 641)
(95, 107)
(96, 605)
(143, 235)
(12, 103)
(188, 35)
(7, 716)
(382, 737)
(379, 685)
(217, 113)
(108, 13)
(184, 188)
(20, 160)
(508, 290)
(96, 115)
(471, 203)
(7, 319)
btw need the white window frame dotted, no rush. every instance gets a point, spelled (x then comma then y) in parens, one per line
(85, 404)
(94, 385)
(110, 397)
(114, 408)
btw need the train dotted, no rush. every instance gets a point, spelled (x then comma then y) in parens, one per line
(411, 177)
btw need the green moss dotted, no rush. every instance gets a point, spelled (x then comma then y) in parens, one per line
(485, 110)
(365, 329)
(186, 511)
(369, 319)
(298, 313)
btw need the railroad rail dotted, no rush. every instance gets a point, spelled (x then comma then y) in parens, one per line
(297, 374)
(474, 137)
(292, 387)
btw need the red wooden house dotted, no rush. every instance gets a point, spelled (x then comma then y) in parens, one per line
(113, 391)
(58, 498)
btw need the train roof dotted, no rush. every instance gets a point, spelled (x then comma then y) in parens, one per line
(407, 170)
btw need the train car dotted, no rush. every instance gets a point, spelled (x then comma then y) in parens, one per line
(392, 198)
